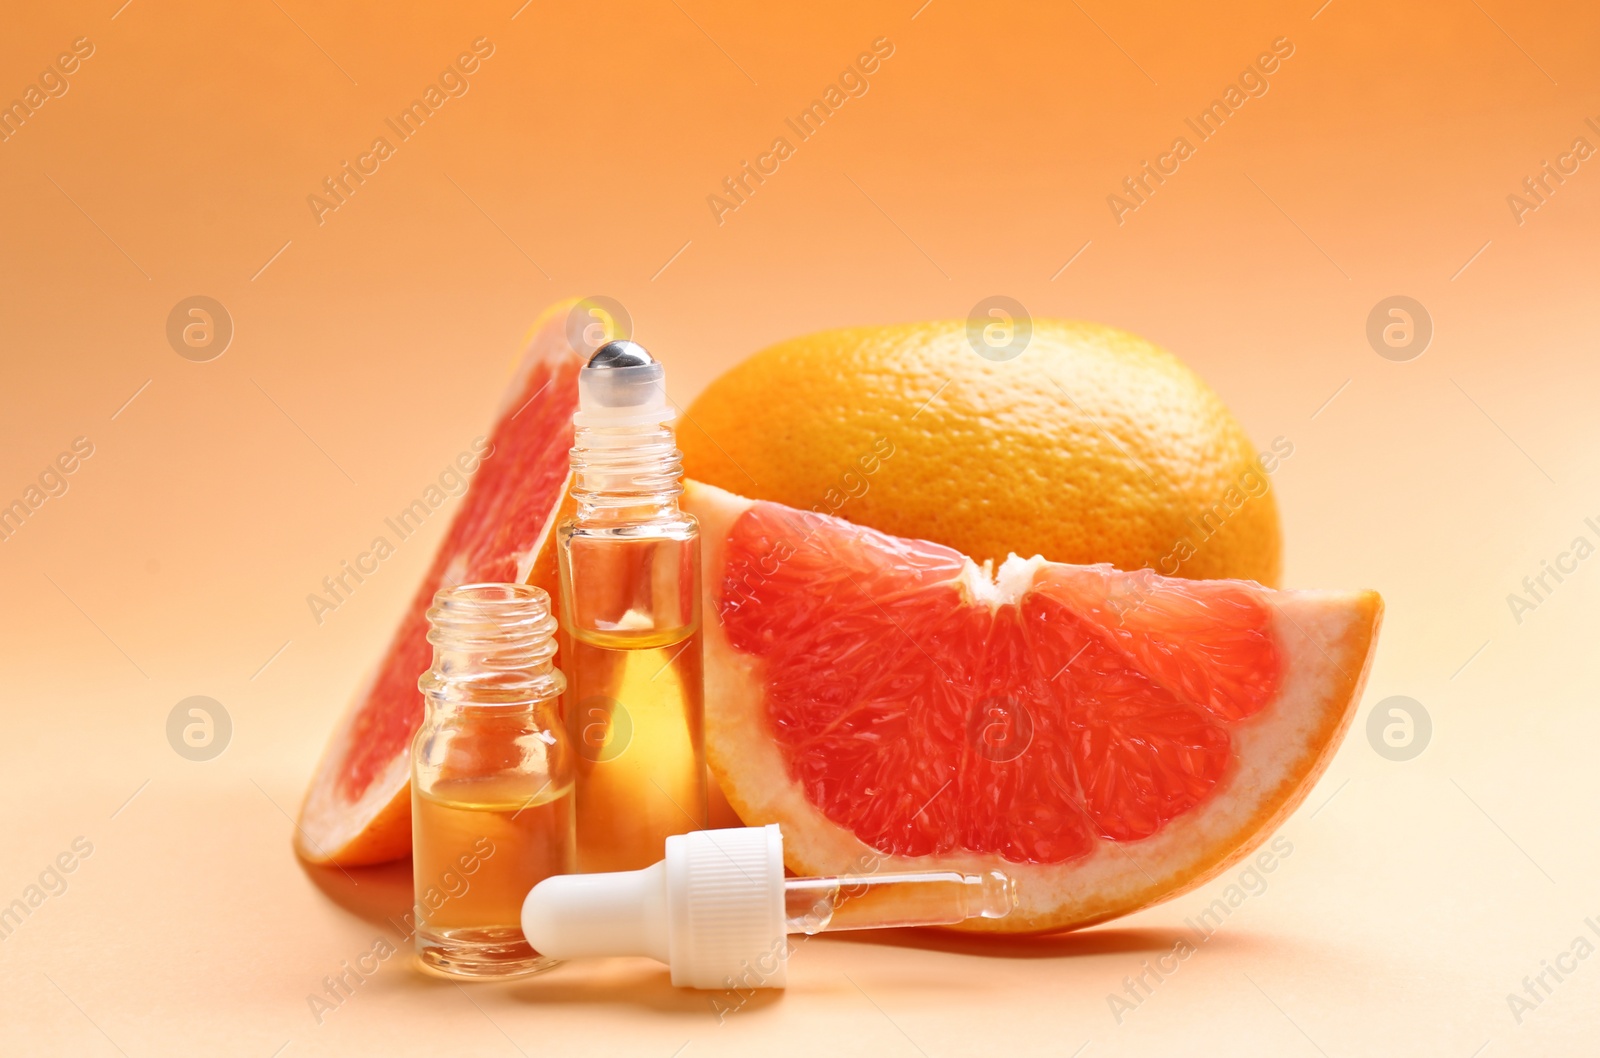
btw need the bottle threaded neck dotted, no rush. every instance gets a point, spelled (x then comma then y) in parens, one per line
(493, 644)
(618, 470)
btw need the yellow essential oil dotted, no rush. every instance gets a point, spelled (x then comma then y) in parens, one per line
(480, 847)
(630, 619)
(491, 780)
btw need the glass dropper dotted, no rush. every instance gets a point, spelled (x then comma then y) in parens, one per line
(717, 909)
(886, 901)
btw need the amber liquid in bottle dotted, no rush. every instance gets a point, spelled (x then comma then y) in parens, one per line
(630, 620)
(636, 703)
(491, 780)
(479, 848)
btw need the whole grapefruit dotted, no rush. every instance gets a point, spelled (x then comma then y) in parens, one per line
(1090, 445)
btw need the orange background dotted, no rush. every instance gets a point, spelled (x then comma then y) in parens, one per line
(370, 349)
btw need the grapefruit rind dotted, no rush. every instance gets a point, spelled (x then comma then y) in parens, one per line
(375, 826)
(354, 833)
(1325, 641)
(1092, 445)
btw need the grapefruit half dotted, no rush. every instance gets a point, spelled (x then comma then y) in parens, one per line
(358, 809)
(1107, 738)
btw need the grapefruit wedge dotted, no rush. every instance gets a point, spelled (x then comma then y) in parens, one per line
(1107, 738)
(358, 809)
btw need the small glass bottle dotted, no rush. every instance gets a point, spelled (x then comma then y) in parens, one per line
(491, 779)
(630, 614)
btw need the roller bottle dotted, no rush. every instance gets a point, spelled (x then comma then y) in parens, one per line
(630, 618)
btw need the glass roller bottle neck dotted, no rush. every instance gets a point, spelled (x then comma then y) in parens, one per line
(625, 458)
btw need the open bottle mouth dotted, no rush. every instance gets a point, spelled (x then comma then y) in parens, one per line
(491, 616)
(492, 643)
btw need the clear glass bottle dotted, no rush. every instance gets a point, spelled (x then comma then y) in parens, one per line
(491, 779)
(630, 616)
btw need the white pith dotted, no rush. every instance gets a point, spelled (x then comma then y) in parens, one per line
(529, 557)
(994, 589)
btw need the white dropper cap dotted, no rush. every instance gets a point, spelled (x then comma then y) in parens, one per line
(718, 909)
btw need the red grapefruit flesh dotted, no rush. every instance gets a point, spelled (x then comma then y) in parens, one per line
(1109, 739)
(358, 810)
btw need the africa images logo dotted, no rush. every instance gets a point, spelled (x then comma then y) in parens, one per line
(1253, 83)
